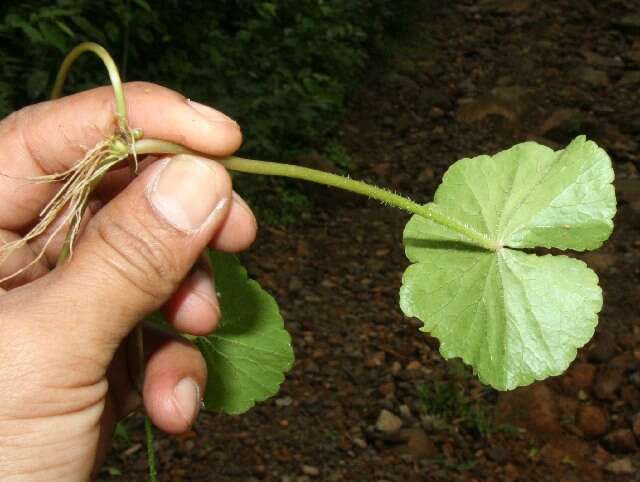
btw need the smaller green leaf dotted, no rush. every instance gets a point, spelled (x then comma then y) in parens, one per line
(249, 353)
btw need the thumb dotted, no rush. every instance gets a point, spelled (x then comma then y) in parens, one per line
(137, 249)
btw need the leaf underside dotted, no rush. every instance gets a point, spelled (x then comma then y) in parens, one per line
(249, 353)
(514, 317)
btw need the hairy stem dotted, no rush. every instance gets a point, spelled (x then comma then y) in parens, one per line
(151, 455)
(112, 69)
(152, 146)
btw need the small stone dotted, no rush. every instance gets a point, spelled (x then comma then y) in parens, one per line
(310, 470)
(414, 365)
(608, 381)
(534, 408)
(359, 442)
(592, 421)
(601, 456)
(405, 411)
(620, 467)
(388, 423)
(580, 376)
(284, 401)
(419, 446)
(621, 440)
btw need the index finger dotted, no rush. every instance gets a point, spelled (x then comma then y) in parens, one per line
(50, 137)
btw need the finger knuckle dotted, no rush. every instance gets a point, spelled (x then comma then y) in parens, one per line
(138, 256)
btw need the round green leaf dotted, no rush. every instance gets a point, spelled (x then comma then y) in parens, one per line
(514, 317)
(249, 353)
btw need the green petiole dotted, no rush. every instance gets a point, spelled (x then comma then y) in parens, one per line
(152, 146)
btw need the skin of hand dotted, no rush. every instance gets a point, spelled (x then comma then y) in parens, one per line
(68, 368)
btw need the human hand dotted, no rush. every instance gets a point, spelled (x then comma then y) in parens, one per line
(67, 369)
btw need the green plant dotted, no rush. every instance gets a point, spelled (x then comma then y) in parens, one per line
(449, 402)
(514, 316)
(338, 155)
(282, 68)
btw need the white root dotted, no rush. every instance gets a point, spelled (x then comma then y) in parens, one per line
(78, 183)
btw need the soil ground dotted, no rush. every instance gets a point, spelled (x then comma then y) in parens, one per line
(471, 77)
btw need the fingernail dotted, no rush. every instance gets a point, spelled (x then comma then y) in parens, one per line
(187, 397)
(210, 113)
(184, 193)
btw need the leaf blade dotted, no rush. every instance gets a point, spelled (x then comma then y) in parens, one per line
(477, 304)
(250, 352)
(514, 317)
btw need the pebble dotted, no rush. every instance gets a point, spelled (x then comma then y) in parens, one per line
(608, 381)
(310, 470)
(593, 421)
(580, 376)
(418, 445)
(621, 440)
(534, 408)
(359, 442)
(388, 422)
(284, 401)
(620, 467)
(405, 411)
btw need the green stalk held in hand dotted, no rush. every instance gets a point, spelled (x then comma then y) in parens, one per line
(514, 316)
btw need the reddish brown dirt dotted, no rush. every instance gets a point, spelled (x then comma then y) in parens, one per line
(472, 77)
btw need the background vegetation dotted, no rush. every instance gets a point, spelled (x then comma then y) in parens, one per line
(282, 68)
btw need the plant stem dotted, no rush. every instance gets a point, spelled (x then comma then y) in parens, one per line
(112, 69)
(151, 455)
(152, 146)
